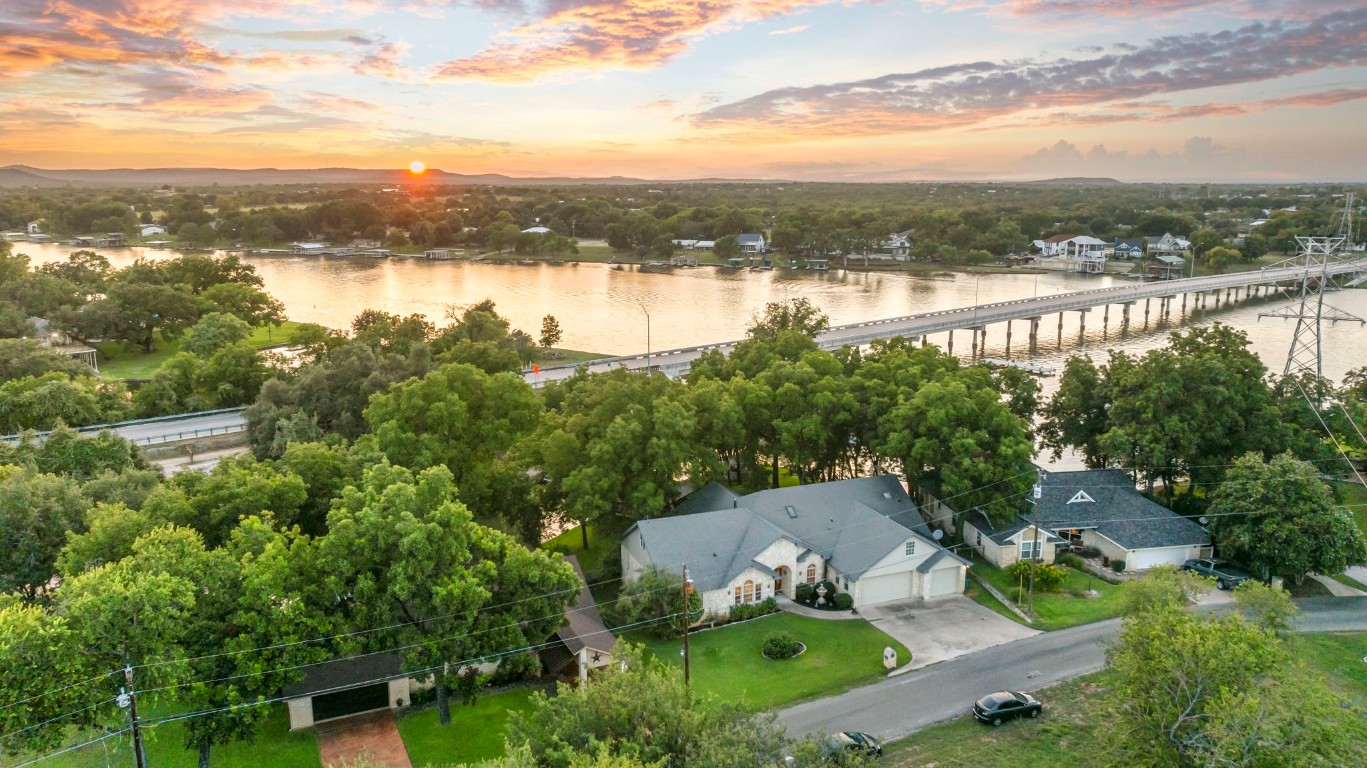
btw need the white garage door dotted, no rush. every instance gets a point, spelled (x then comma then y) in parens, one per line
(1148, 558)
(944, 581)
(880, 589)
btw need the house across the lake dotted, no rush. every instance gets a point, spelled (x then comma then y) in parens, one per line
(865, 535)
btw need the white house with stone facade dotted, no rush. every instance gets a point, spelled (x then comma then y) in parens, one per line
(865, 535)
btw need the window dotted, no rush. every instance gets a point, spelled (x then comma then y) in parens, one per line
(1081, 497)
(811, 573)
(911, 547)
(748, 592)
(1030, 550)
(980, 539)
(737, 595)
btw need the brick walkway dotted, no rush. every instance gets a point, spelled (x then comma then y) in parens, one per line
(374, 734)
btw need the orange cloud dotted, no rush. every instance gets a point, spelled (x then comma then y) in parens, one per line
(609, 34)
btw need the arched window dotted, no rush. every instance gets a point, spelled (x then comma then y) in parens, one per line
(811, 573)
(748, 594)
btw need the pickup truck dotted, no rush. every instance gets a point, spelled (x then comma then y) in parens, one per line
(1226, 575)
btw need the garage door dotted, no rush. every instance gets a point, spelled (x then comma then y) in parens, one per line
(1148, 558)
(944, 581)
(880, 589)
(350, 702)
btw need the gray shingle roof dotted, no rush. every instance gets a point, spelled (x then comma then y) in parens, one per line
(585, 627)
(851, 523)
(749, 237)
(349, 672)
(708, 498)
(1002, 534)
(1118, 511)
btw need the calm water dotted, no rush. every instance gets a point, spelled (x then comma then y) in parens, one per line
(600, 307)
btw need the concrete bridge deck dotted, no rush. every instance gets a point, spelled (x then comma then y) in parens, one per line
(676, 362)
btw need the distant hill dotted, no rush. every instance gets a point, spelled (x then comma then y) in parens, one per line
(1077, 181)
(26, 176)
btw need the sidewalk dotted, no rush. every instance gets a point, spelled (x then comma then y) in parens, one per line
(784, 604)
(1337, 589)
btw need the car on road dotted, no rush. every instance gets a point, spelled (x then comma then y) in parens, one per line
(997, 708)
(838, 744)
(1226, 574)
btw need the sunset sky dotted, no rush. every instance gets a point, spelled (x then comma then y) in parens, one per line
(838, 90)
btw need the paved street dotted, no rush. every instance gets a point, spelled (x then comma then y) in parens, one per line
(898, 706)
(169, 430)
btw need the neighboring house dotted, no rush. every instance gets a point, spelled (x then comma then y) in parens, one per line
(1093, 508)
(34, 227)
(536, 231)
(58, 341)
(1082, 253)
(584, 643)
(1167, 245)
(750, 242)
(704, 245)
(687, 245)
(1129, 247)
(349, 686)
(148, 230)
(897, 245)
(864, 535)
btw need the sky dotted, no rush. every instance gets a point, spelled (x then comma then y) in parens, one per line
(806, 90)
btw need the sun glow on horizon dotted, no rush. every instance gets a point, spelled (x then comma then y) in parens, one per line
(417, 167)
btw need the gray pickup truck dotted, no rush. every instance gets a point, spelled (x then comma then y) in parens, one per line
(1226, 574)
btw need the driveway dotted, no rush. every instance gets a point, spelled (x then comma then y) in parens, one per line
(374, 734)
(943, 628)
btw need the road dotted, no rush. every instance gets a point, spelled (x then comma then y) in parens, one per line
(152, 432)
(898, 706)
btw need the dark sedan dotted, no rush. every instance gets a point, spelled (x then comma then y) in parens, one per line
(997, 708)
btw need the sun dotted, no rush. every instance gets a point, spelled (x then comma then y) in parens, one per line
(417, 167)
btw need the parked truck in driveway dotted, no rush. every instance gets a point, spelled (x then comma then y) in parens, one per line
(1226, 574)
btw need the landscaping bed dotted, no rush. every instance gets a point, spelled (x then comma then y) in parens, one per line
(727, 663)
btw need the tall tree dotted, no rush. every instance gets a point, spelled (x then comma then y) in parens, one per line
(36, 512)
(408, 553)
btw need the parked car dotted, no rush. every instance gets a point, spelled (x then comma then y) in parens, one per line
(1227, 575)
(838, 744)
(997, 708)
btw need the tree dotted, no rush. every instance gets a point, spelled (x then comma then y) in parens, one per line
(550, 331)
(792, 315)
(1076, 416)
(1196, 691)
(248, 303)
(213, 332)
(43, 402)
(726, 247)
(1164, 587)
(236, 489)
(25, 357)
(45, 676)
(1281, 519)
(643, 711)
(655, 599)
(36, 512)
(1219, 258)
(408, 553)
(458, 417)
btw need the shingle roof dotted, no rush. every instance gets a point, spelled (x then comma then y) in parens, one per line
(350, 672)
(585, 628)
(1002, 534)
(851, 523)
(708, 498)
(749, 237)
(1118, 511)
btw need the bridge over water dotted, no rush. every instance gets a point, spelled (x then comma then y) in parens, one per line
(1157, 297)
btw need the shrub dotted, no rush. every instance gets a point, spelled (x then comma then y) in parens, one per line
(806, 593)
(843, 601)
(1071, 560)
(1090, 552)
(1048, 577)
(781, 645)
(744, 611)
(519, 666)
(1118, 566)
(768, 605)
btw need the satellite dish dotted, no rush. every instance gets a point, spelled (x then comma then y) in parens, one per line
(1204, 519)
(937, 535)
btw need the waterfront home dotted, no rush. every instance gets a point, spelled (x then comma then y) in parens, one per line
(750, 242)
(1167, 245)
(148, 230)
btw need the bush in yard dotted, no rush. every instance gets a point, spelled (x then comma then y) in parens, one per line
(1118, 566)
(653, 596)
(843, 601)
(743, 612)
(1048, 577)
(1070, 560)
(768, 605)
(1090, 552)
(780, 645)
(806, 593)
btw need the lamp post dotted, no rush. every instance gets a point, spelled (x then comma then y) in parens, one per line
(647, 313)
(1194, 248)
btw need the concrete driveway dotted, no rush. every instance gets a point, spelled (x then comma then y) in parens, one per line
(943, 628)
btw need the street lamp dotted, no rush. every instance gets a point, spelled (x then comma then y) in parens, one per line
(647, 313)
(1195, 247)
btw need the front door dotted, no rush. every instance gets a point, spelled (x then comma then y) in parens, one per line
(782, 576)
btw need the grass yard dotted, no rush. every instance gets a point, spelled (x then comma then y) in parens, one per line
(1071, 733)
(475, 733)
(275, 747)
(559, 356)
(1355, 499)
(1056, 610)
(116, 362)
(1347, 580)
(571, 542)
(727, 664)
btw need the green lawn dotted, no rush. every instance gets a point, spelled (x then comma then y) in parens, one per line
(116, 362)
(571, 542)
(1072, 734)
(1347, 580)
(727, 663)
(275, 747)
(1058, 610)
(560, 356)
(475, 733)
(1355, 498)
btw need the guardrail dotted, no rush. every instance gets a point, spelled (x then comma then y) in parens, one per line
(191, 435)
(115, 426)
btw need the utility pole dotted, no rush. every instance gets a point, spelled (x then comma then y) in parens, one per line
(687, 589)
(129, 698)
(1038, 493)
(643, 309)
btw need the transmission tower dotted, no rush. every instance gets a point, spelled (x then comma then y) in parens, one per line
(1317, 254)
